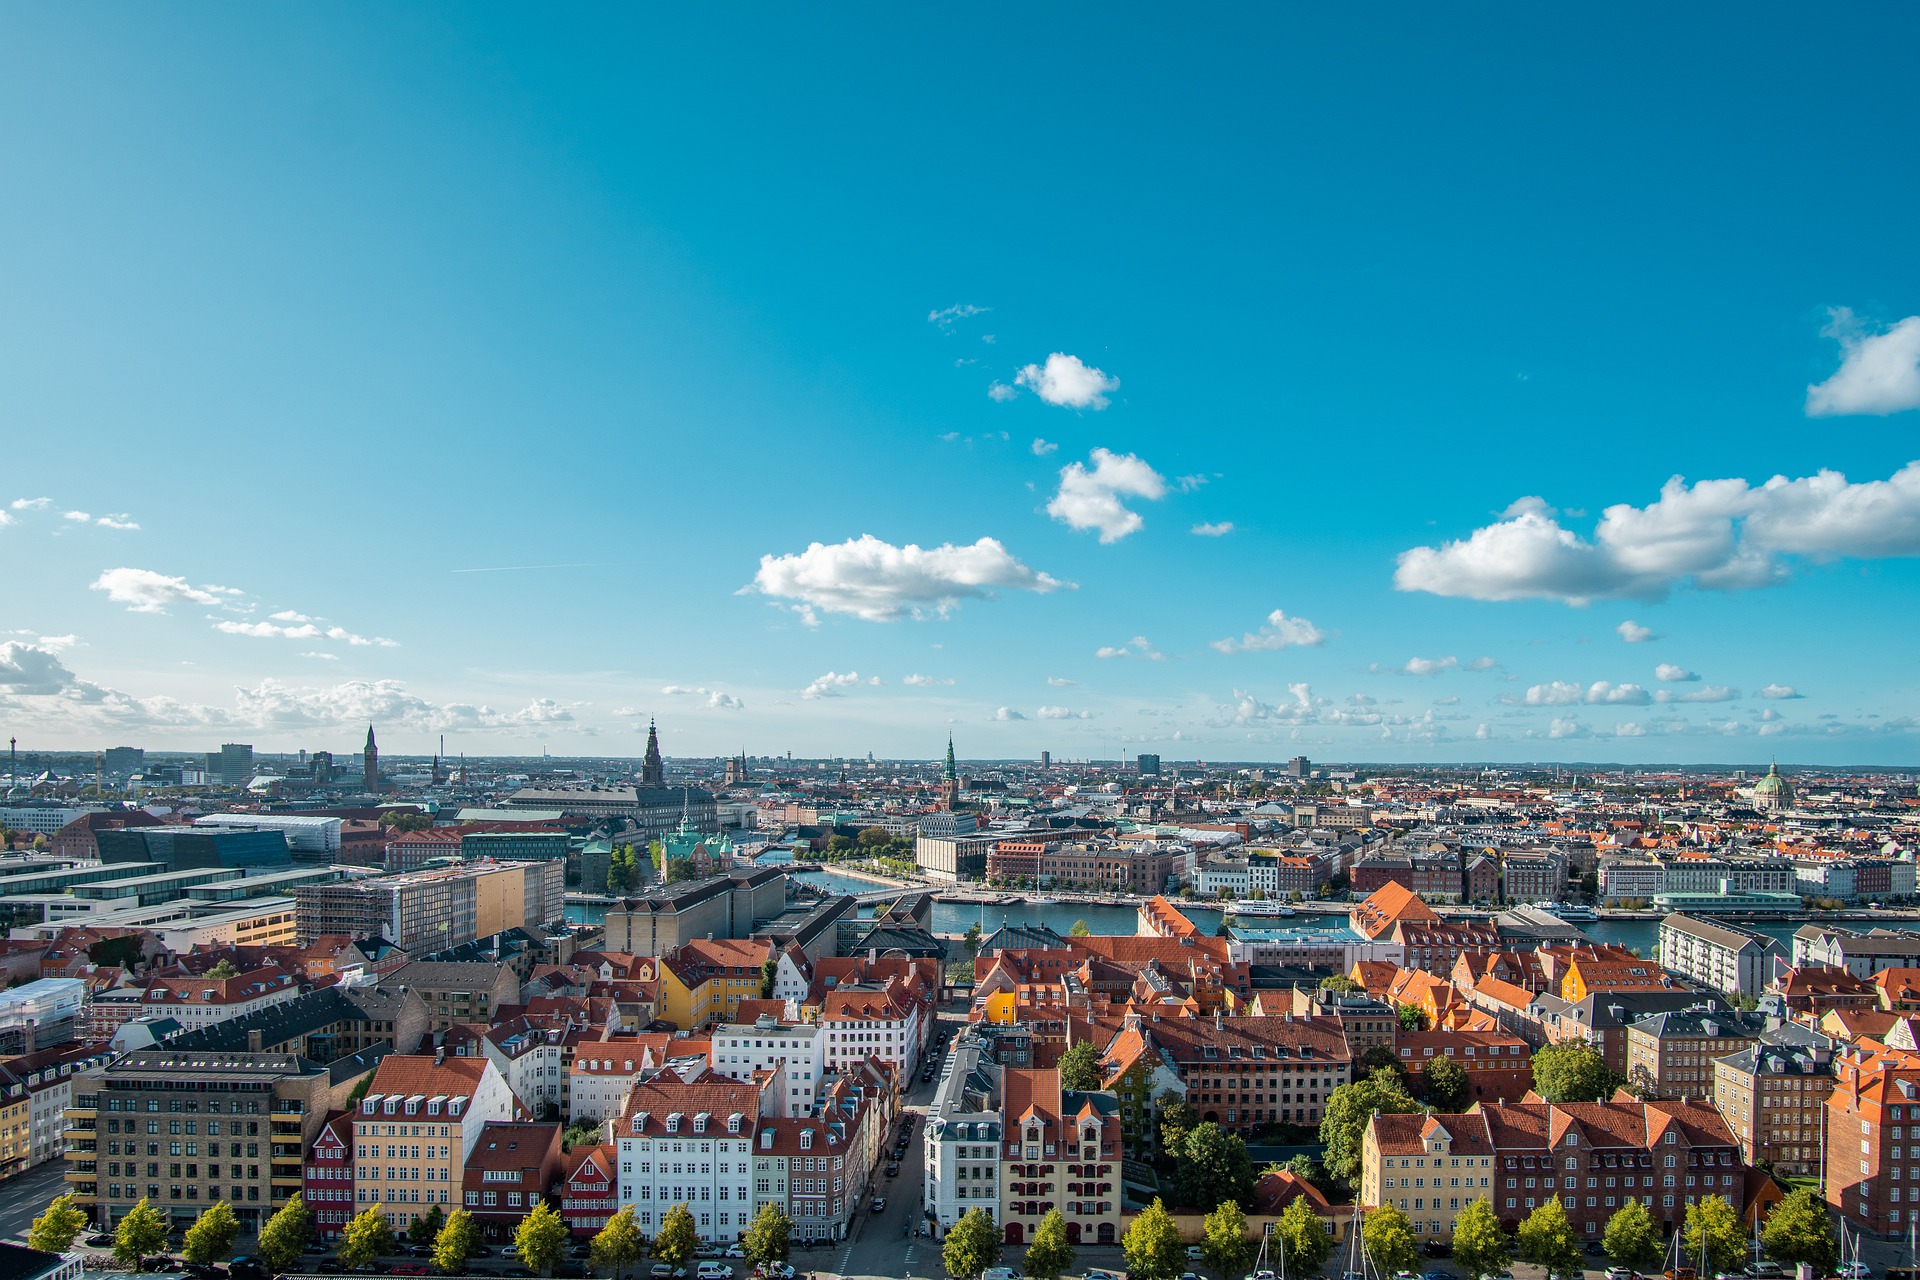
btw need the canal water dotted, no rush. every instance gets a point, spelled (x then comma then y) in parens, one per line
(952, 917)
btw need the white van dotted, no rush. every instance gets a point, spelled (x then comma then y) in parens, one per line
(715, 1271)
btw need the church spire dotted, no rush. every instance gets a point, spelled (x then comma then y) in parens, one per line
(952, 770)
(653, 771)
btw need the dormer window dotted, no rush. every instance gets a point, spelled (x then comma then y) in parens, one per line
(640, 1122)
(734, 1121)
(392, 1105)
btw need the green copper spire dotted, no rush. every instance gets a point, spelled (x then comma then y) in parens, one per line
(952, 771)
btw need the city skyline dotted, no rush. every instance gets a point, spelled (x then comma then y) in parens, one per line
(1421, 395)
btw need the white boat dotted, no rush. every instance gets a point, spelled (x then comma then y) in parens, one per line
(1572, 914)
(1259, 907)
(1043, 902)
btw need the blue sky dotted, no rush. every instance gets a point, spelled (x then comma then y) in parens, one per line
(631, 311)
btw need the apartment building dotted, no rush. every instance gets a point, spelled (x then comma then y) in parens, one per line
(588, 1195)
(1727, 959)
(689, 1141)
(1774, 1096)
(1592, 1156)
(435, 909)
(1499, 1066)
(665, 919)
(529, 1055)
(1671, 1055)
(1861, 954)
(327, 1177)
(1060, 1148)
(604, 1071)
(704, 981)
(38, 1088)
(196, 1001)
(872, 1020)
(742, 1050)
(186, 1128)
(1243, 1072)
(420, 1119)
(816, 1169)
(510, 1170)
(1871, 1122)
(458, 992)
(960, 1154)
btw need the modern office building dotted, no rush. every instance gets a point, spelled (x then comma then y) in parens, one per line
(193, 848)
(431, 910)
(231, 765)
(1147, 765)
(304, 833)
(121, 762)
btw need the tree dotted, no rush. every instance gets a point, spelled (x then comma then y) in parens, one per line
(1304, 1236)
(766, 1239)
(222, 971)
(1349, 1109)
(1341, 984)
(211, 1236)
(1799, 1230)
(1632, 1240)
(971, 939)
(1307, 1169)
(1049, 1255)
(1412, 1018)
(1376, 1056)
(1225, 1246)
(1479, 1245)
(285, 1236)
(54, 1231)
(971, 1246)
(1080, 1067)
(1079, 929)
(425, 1229)
(1446, 1085)
(140, 1235)
(677, 1239)
(575, 1135)
(459, 1237)
(1546, 1239)
(367, 1237)
(1713, 1229)
(1177, 1120)
(1214, 1167)
(1153, 1246)
(1572, 1071)
(1390, 1240)
(769, 971)
(541, 1238)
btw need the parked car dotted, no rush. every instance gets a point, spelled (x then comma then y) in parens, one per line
(733, 1251)
(204, 1271)
(661, 1271)
(1189, 1275)
(411, 1269)
(570, 1271)
(248, 1267)
(1437, 1249)
(780, 1270)
(893, 1168)
(580, 1251)
(1097, 1274)
(522, 1272)
(1855, 1270)
(511, 1251)
(1194, 1253)
(879, 1204)
(315, 1246)
(329, 1267)
(1766, 1270)
(1436, 1275)
(1621, 1273)
(481, 1251)
(999, 1273)
(1596, 1249)
(715, 1271)
(706, 1249)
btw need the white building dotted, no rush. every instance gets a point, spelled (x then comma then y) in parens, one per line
(1730, 960)
(1824, 879)
(43, 821)
(872, 1020)
(960, 1156)
(740, 1050)
(529, 1056)
(197, 1002)
(689, 1142)
(1223, 878)
(1632, 877)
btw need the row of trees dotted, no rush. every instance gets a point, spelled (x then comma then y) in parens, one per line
(540, 1240)
(623, 869)
(1153, 1246)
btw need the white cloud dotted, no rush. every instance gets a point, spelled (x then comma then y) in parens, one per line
(724, 702)
(1061, 682)
(867, 578)
(144, 591)
(1671, 674)
(6, 519)
(1138, 647)
(1633, 633)
(1063, 713)
(30, 669)
(1482, 663)
(680, 690)
(1718, 534)
(1008, 713)
(1065, 380)
(1879, 373)
(1220, 530)
(119, 521)
(58, 643)
(1000, 392)
(323, 656)
(1566, 728)
(1041, 448)
(1603, 693)
(78, 517)
(306, 629)
(1706, 693)
(1557, 694)
(945, 317)
(1430, 666)
(918, 681)
(31, 504)
(1277, 632)
(1091, 499)
(1780, 691)
(830, 685)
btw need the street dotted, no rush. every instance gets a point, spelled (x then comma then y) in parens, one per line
(24, 1198)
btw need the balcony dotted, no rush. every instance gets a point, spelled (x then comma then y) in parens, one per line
(283, 1129)
(290, 1181)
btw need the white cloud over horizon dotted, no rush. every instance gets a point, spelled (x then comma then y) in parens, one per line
(1067, 381)
(1715, 534)
(876, 581)
(145, 591)
(1278, 632)
(1633, 633)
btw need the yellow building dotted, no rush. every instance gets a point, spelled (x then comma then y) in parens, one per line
(1430, 1167)
(704, 982)
(16, 1127)
(415, 1127)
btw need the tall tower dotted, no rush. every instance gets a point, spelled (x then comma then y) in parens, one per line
(950, 781)
(653, 772)
(370, 761)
